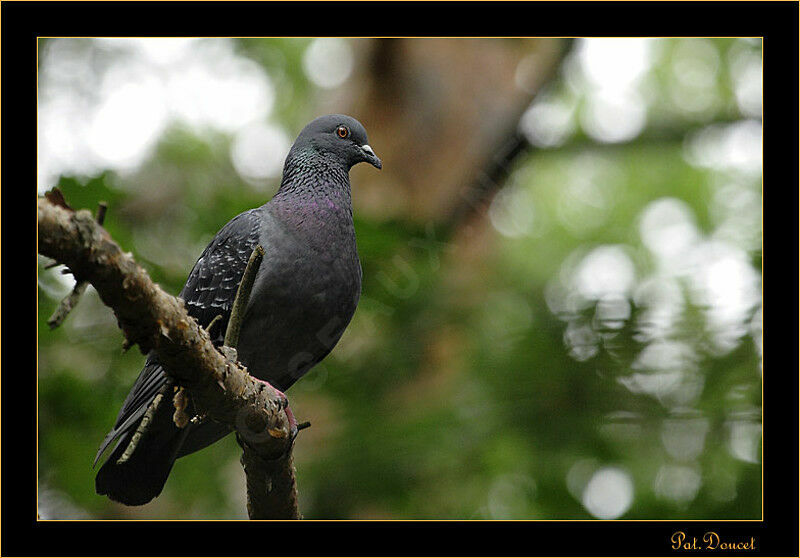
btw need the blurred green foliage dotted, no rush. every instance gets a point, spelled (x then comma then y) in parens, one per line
(478, 378)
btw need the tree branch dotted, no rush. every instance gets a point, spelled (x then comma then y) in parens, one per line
(271, 492)
(242, 297)
(155, 320)
(497, 167)
(71, 300)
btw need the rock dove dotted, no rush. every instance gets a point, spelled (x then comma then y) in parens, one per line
(304, 295)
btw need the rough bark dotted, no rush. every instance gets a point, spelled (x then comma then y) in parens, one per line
(155, 320)
(271, 492)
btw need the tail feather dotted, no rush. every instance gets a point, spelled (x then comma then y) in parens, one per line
(141, 477)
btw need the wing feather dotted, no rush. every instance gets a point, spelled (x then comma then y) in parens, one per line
(209, 291)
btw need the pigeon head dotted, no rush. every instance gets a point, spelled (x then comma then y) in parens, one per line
(340, 137)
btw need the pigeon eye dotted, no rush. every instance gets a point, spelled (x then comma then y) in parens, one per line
(343, 132)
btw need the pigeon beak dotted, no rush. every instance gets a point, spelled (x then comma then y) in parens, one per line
(370, 157)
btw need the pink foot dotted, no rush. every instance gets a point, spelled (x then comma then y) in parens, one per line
(286, 408)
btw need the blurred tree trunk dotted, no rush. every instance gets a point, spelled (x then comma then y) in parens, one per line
(438, 111)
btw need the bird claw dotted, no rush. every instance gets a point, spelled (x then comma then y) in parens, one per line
(284, 403)
(293, 430)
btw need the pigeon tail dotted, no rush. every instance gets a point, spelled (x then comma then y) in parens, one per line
(142, 476)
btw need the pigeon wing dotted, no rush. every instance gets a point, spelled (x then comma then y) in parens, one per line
(209, 292)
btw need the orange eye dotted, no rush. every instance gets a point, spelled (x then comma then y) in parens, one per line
(343, 132)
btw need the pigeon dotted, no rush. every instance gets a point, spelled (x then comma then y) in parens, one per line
(304, 295)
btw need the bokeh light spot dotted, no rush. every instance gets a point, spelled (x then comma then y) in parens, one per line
(328, 62)
(609, 493)
(258, 152)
